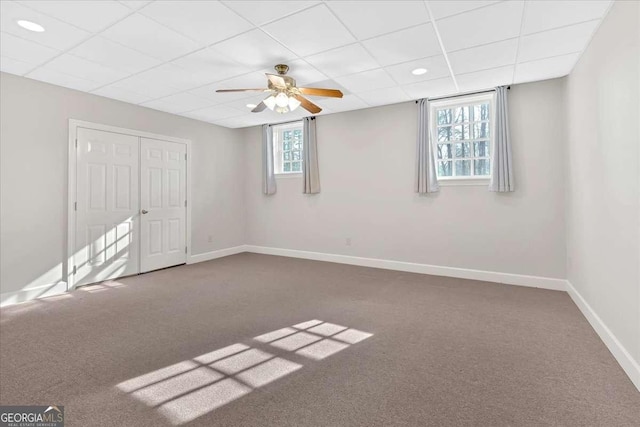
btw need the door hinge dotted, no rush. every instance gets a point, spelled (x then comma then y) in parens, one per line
(76, 142)
(185, 249)
(185, 203)
(185, 156)
(75, 269)
(75, 206)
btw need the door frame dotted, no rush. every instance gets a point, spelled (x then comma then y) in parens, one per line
(72, 185)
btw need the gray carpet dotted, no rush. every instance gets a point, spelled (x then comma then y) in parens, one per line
(177, 347)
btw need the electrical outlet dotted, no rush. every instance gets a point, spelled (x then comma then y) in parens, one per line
(347, 241)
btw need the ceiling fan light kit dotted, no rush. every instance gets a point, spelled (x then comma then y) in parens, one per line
(284, 95)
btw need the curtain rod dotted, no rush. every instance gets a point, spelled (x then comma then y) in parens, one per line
(292, 121)
(462, 94)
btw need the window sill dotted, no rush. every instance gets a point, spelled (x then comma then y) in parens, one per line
(288, 175)
(455, 182)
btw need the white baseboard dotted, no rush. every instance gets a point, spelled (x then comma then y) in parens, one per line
(9, 298)
(436, 270)
(624, 358)
(208, 256)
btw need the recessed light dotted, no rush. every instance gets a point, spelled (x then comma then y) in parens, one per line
(31, 26)
(419, 71)
(251, 105)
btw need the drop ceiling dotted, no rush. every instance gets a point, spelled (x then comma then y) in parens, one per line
(173, 55)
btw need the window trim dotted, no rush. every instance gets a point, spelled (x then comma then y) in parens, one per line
(276, 129)
(463, 180)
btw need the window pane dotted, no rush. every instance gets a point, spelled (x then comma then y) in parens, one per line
(463, 149)
(444, 151)
(296, 166)
(286, 145)
(481, 130)
(286, 167)
(296, 155)
(481, 111)
(444, 134)
(481, 167)
(444, 117)
(445, 169)
(461, 132)
(461, 114)
(463, 167)
(481, 149)
(297, 145)
(286, 155)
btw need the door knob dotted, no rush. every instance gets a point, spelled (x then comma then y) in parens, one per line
(144, 211)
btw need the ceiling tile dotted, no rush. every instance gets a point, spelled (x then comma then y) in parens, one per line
(90, 15)
(489, 24)
(237, 122)
(404, 45)
(310, 31)
(390, 95)
(346, 103)
(304, 73)
(205, 21)
(556, 42)
(366, 81)
(176, 77)
(13, 66)
(144, 35)
(109, 53)
(208, 65)
(254, 50)
(121, 94)
(436, 68)
(57, 34)
(49, 75)
(430, 88)
(486, 79)
(151, 84)
(261, 12)
(379, 17)
(217, 112)
(545, 68)
(545, 15)
(135, 4)
(178, 103)
(444, 8)
(343, 61)
(241, 104)
(483, 57)
(85, 69)
(25, 50)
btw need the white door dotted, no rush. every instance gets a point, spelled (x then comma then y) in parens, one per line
(163, 195)
(106, 243)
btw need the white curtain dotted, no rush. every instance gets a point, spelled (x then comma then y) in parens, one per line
(426, 178)
(502, 170)
(310, 172)
(268, 172)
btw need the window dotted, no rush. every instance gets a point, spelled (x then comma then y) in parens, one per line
(287, 148)
(462, 130)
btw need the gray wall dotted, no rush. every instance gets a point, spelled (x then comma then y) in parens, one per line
(367, 168)
(603, 175)
(33, 182)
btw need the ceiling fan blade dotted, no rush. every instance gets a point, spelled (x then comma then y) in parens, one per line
(316, 91)
(276, 80)
(260, 107)
(240, 90)
(307, 105)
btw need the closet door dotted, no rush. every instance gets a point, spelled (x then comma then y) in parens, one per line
(163, 195)
(107, 219)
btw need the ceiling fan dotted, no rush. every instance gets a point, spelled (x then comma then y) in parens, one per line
(284, 95)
